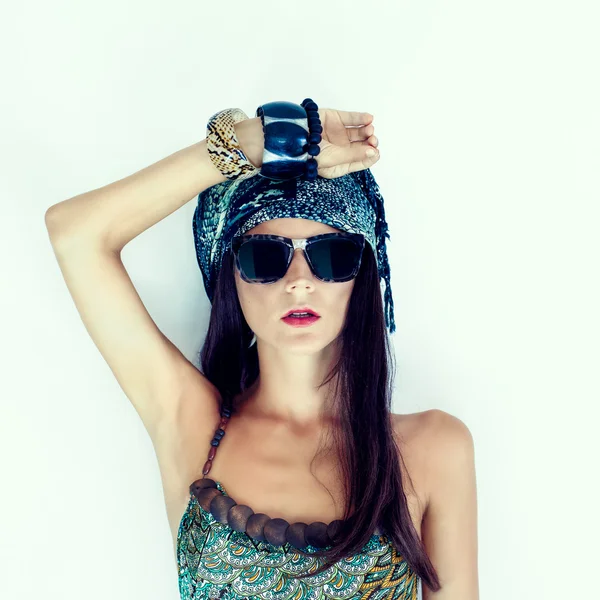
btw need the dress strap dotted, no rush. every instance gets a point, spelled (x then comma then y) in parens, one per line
(219, 433)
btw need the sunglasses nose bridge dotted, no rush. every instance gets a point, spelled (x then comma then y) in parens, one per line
(299, 243)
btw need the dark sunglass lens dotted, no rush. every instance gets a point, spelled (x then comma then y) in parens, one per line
(263, 260)
(334, 258)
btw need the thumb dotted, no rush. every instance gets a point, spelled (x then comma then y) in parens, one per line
(351, 154)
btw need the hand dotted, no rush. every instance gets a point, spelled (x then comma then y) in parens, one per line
(344, 148)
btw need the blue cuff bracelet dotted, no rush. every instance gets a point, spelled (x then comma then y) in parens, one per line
(292, 136)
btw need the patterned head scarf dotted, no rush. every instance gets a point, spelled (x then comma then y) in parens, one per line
(351, 203)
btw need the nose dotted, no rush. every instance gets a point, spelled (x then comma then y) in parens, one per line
(299, 269)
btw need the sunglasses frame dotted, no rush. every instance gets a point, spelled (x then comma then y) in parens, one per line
(292, 244)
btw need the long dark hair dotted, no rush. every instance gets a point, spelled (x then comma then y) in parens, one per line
(363, 392)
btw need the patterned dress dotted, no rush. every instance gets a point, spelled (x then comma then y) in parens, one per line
(215, 561)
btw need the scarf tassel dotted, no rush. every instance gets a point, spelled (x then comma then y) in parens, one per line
(371, 189)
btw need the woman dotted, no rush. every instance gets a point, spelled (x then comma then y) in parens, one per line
(317, 488)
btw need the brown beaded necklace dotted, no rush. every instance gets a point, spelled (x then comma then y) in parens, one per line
(258, 526)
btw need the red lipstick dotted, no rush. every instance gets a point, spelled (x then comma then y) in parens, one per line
(301, 317)
(301, 309)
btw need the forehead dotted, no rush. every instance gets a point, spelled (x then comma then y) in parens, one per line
(293, 227)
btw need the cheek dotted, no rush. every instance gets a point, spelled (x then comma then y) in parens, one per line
(340, 299)
(346, 291)
(254, 302)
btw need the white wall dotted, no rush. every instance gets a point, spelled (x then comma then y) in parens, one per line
(487, 115)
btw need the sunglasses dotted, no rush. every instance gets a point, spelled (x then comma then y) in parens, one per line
(332, 257)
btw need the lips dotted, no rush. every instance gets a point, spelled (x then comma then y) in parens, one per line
(302, 309)
(306, 321)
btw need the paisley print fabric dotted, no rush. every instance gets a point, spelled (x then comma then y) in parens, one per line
(215, 561)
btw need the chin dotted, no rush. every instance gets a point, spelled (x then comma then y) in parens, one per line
(305, 343)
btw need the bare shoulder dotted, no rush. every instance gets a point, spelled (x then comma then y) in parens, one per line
(432, 431)
(433, 418)
(447, 436)
(408, 431)
(431, 441)
(449, 526)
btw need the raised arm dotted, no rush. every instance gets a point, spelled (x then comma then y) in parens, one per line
(88, 233)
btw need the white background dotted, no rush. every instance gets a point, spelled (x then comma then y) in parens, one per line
(489, 127)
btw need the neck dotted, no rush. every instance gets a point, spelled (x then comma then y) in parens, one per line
(287, 392)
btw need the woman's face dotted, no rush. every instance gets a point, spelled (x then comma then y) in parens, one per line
(264, 305)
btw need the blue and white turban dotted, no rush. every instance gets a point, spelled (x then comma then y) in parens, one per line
(351, 203)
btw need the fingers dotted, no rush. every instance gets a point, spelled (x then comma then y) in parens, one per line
(354, 118)
(362, 150)
(361, 159)
(343, 169)
(354, 155)
(372, 140)
(359, 134)
(367, 153)
(362, 164)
